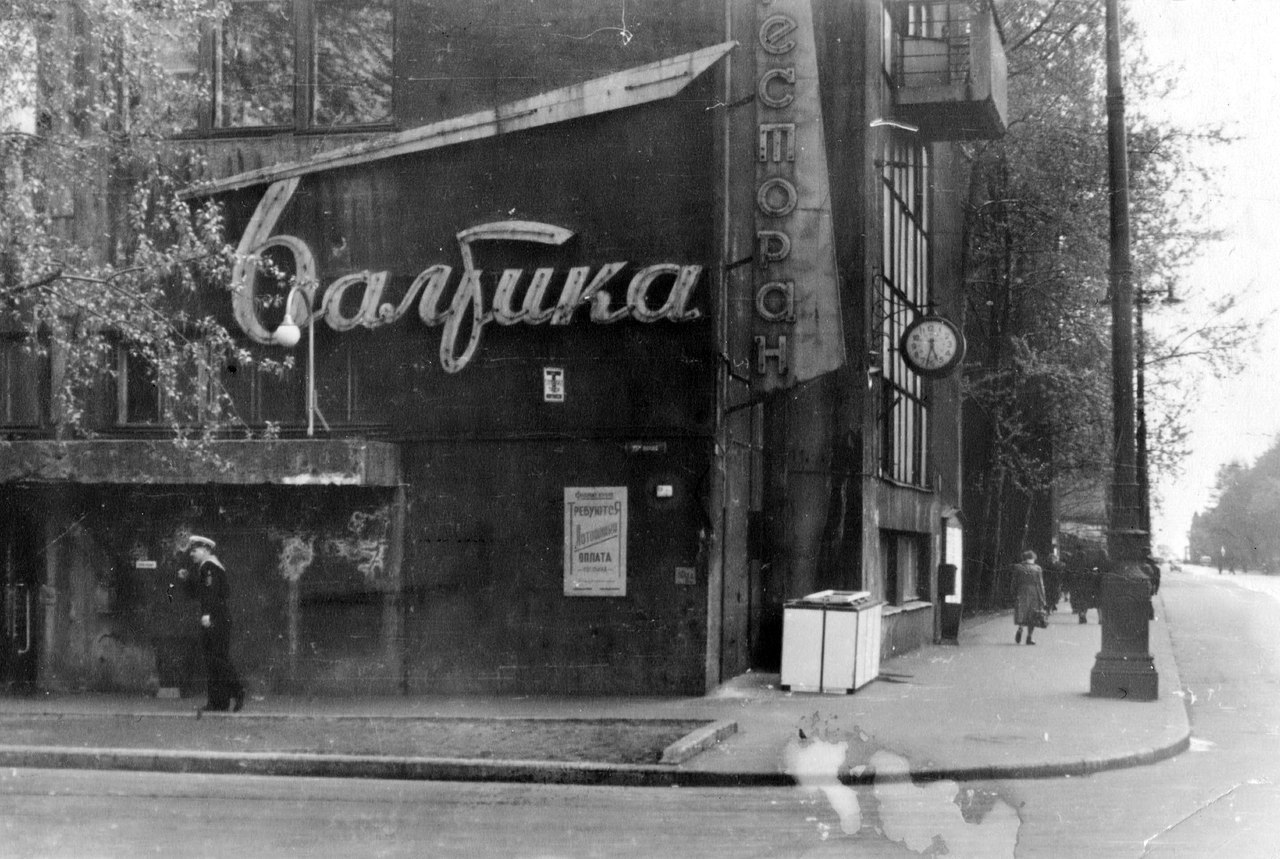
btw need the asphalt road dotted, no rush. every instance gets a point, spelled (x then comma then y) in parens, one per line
(1220, 799)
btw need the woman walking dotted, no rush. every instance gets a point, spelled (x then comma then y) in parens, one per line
(1028, 579)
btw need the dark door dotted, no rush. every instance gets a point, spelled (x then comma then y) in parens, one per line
(19, 600)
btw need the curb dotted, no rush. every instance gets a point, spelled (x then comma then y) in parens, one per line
(532, 772)
(1087, 766)
(674, 769)
(371, 767)
(698, 741)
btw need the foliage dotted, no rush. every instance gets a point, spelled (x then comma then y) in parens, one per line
(1239, 529)
(98, 257)
(1038, 378)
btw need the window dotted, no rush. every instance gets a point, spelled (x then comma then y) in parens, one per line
(928, 41)
(217, 387)
(928, 20)
(904, 23)
(148, 396)
(904, 294)
(297, 64)
(352, 63)
(253, 66)
(260, 396)
(903, 559)
(23, 375)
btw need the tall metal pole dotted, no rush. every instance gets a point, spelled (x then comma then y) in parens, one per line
(311, 363)
(1140, 408)
(1123, 668)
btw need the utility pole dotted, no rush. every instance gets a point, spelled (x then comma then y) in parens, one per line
(1123, 668)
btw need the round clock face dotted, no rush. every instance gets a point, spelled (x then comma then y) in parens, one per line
(932, 346)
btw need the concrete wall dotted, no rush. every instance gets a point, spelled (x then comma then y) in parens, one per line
(308, 575)
(906, 628)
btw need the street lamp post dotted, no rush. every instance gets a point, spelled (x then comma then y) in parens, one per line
(288, 334)
(1123, 667)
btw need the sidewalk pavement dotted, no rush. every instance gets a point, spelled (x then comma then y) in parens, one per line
(986, 708)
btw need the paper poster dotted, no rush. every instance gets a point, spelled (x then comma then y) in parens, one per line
(595, 541)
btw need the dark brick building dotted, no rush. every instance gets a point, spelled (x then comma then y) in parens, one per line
(606, 356)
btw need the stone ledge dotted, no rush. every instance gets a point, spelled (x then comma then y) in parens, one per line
(913, 605)
(285, 462)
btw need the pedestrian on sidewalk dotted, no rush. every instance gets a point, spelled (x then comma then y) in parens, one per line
(1084, 574)
(1029, 608)
(1054, 573)
(208, 583)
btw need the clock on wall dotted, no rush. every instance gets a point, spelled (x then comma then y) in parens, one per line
(932, 346)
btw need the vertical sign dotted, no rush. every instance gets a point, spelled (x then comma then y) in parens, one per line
(595, 541)
(553, 384)
(798, 332)
(953, 553)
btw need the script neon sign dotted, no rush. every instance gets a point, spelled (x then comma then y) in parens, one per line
(459, 304)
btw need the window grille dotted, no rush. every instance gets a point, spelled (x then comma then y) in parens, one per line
(904, 294)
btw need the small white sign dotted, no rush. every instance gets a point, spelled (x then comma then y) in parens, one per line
(144, 565)
(553, 384)
(595, 541)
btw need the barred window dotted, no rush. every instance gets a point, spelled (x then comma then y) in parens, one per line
(904, 294)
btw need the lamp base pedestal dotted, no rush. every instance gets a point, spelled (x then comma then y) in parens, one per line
(1124, 668)
(1131, 677)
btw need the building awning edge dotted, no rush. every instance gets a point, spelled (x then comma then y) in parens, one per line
(628, 88)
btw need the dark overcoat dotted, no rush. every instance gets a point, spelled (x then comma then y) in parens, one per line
(1028, 581)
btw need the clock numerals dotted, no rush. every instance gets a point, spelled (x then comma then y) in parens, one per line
(931, 346)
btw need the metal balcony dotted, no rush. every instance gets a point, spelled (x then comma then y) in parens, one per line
(949, 71)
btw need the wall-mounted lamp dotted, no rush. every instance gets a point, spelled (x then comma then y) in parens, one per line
(287, 334)
(896, 123)
(873, 369)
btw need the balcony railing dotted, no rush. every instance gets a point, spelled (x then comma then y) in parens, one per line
(949, 71)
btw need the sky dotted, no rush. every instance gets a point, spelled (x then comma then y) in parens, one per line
(1223, 53)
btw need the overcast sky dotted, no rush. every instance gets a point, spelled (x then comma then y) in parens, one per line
(1230, 73)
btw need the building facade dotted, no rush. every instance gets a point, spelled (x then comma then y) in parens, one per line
(596, 319)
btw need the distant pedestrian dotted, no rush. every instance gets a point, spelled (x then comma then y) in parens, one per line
(1084, 576)
(1029, 607)
(209, 584)
(1151, 566)
(1054, 573)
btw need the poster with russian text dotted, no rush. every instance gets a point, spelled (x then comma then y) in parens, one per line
(595, 541)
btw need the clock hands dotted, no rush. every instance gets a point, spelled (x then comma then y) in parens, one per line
(931, 346)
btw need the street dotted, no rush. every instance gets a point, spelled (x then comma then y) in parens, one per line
(1219, 798)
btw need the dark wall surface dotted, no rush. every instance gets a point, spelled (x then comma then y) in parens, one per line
(631, 185)
(485, 456)
(484, 570)
(462, 56)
